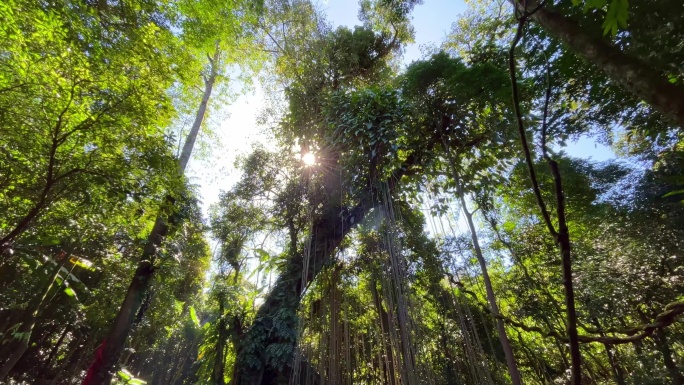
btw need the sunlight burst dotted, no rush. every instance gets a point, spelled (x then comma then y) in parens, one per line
(309, 159)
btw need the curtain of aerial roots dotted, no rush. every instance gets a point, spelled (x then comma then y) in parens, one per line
(473, 365)
(355, 320)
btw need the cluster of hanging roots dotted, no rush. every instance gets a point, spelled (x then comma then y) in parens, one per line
(357, 322)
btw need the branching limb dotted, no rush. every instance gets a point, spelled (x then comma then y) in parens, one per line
(632, 334)
(562, 236)
(521, 130)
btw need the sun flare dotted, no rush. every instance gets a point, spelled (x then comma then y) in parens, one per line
(309, 159)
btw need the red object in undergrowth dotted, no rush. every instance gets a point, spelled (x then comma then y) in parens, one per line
(99, 355)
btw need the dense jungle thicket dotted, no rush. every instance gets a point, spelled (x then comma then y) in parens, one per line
(406, 224)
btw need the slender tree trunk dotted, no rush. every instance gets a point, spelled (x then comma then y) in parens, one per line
(159, 371)
(562, 236)
(183, 373)
(209, 82)
(563, 241)
(491, 297)
(668, 359)
(389, 370)
(107, 355)
(630, 73)
(6, 242)
(17, 346)
(53, 352)
(616, 370)
(74, 349)
(217, 374)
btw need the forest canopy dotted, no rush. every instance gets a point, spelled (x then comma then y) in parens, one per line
(403, 223)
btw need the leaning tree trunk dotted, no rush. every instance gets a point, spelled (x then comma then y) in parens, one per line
(107, 355)
(491, 297)
(23, 224)
(328, 230)
(629, 72)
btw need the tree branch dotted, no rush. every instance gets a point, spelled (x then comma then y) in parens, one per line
(562, 236)
(636, 333)
(521, 130)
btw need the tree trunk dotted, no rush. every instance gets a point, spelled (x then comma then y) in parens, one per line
(616, 370)
(491, 297)
(575, 355)
(668, 359)
(329, 229)
(53, 353)
(388, 368)
(184, 157)
(217, 374)
(17, 346)
(107, 355)
(630, 73)
(562, 236)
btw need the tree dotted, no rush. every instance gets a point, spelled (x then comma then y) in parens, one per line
(109, 351)
(70, 117)
(391, 232)
(628, 72)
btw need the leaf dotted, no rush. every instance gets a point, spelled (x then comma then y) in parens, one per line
(82, 262)
(137, 381)
(193, 316)
(70, 292)
(262, 254)
(616, 17)
(124, 374)
(672, 193)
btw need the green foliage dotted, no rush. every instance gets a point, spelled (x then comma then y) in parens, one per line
(616, 13)
(358, 262)
(126, 378)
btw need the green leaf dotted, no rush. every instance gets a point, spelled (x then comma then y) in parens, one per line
(193, 316)
(124, 375)
(262, 254)
(672, 193)
(616, 17)
(70, 292)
